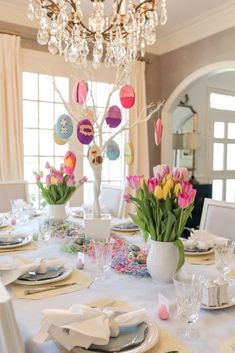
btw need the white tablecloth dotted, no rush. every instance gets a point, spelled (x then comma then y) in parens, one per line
(214, 326)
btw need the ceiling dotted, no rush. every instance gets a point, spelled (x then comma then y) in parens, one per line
(188, 20)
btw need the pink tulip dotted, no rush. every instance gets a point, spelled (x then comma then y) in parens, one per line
(37, 177)
(159, 171)
(180, 174)
(83, 180)
(48, 180)
(47, 165)
(187, 187)
(134, 181)
(158, 131)
(59, 177)
(70, 181)
(152, 183)
(127, 197)
(184, 200)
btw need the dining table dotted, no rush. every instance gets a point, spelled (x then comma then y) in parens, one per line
(214, 326)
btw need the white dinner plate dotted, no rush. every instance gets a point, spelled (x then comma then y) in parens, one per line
(78, 214)
(126, 230)
(26, 239)
(37, 213)
(65, 274)
(197, 253)
(227, 305)
(150, 341)
(4, 223)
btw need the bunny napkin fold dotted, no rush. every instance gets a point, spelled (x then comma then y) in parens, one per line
(83, 326)
(18, 265)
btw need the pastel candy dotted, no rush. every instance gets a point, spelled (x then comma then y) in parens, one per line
(80, 90)
(113, 116)
(69, 162)
(127, 96)
(64, 127)
(129, 153)
(95, 157)
(85, 131)
(112, 151)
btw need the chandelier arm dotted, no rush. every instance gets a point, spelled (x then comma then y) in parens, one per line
(142, 3)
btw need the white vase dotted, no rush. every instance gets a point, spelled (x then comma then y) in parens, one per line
(57, 212)
(97, 228)
(162, 261)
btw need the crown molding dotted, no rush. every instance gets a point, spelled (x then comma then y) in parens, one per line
(200, 27)
(15, 12)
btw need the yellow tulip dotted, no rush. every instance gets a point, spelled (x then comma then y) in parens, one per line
(166, 191)
(40, 174)
(163, 181)
(178, 189)
(142, 181)
(169, 183)
(54, 181)
(158, 192)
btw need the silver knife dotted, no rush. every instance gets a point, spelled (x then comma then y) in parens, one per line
(44, 289)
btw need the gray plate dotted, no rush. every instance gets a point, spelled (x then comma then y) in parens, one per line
(16, 240)
(42, 276)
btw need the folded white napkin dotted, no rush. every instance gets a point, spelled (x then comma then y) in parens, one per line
(204, 235)
(18, 265)
(82, 326)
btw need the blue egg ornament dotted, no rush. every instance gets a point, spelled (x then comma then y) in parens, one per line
(64, 127)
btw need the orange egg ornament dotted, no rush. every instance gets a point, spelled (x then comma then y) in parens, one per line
(69, 162)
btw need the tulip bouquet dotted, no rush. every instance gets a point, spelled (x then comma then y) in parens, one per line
(59, 185)
(164, 204)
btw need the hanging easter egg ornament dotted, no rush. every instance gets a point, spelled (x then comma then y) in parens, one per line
(88, 113)
(80, 90)
(95, 157)
(57, 139)
(113, 116)
(85, 131)
(127, 96)
(69, 162)
(112, 151)
(158, 131)
(129, 153)
(64, 127)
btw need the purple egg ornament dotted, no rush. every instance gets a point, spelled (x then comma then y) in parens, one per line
(127, 96)
(113, 116)
(85, 131)
(80, 90)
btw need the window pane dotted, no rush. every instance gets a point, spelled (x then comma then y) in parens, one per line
(42, 162)
(219, 130)
(60, 150)
(230, 156)
(62, 84)
(46, 119)
(30, 142)
(30, 166)
(59, 161)
(30, 114)
(231, 130)
(217, 189)
(46, 90)
(102, 94)
(46, 143)
(30, 86)
(222, 101)
(59, 110)
(218, 156)
(230, 190)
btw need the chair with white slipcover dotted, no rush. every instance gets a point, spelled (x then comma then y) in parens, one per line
(12, 190)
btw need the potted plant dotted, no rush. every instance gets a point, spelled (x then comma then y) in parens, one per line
(163, 205)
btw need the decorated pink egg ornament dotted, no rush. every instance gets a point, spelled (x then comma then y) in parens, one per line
(127, 96)
(85, 131)
(158, 131)
(80, 92)
(113, 116)
(69, 162)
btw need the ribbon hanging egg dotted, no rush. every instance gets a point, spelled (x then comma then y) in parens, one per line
(127, 96)
(95, 157)
(85, 131)
(57, 139)
(112, 150)
(113, 116)
(69, 162)
(64, 127)
(80, 90)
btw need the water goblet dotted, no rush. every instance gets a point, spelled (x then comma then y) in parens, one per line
(188, 296)
(224, 256)
(45, 231)
(103, 256)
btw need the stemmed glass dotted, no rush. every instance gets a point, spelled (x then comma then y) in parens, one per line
(103, 256)
(188, 295)
(224, 256)
(45, 230)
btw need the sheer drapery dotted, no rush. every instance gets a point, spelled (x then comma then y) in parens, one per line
(11, 118)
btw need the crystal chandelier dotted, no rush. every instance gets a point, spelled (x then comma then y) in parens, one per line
(116, 37)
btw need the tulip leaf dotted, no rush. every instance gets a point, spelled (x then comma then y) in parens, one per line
(178, 243)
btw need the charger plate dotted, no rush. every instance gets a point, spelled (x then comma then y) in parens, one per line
(201, 252)
(25, 240)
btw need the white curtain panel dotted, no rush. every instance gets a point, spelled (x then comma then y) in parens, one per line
(11, 119)
(139, 134)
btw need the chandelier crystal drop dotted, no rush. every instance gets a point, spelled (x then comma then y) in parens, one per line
(115, 34)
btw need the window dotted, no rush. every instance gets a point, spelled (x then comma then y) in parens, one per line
(41, 107)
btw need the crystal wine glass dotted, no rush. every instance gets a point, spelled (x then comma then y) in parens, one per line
(224, 256)
(103, 256)
(45, 231)
(188, 296)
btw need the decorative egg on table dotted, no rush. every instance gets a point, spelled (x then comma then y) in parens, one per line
(127, 96)
(113, 116)
(95, 157)
(112, 150)
(80, 91)
(69, 162)
(64, 127)
(85, 131)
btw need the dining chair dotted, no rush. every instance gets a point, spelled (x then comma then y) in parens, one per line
(10, 338)
(111, 196)
(218, 217)
(12, 190)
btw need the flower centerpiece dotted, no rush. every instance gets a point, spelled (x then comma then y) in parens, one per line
(163, 205)
(59, 186)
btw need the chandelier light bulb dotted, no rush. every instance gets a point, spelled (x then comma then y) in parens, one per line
(116, 38)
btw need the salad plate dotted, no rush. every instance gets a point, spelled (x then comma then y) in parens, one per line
(14, 242)
(125, 227)
(219, 307)
(196, 251)
(53, 275)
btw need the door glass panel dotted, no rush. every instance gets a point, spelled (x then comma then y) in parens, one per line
(217, 189)
(218, 156)
(219, 130)
(30, 86)
(230, 156)
(222, 101)
(230, 190)
(231, 130)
